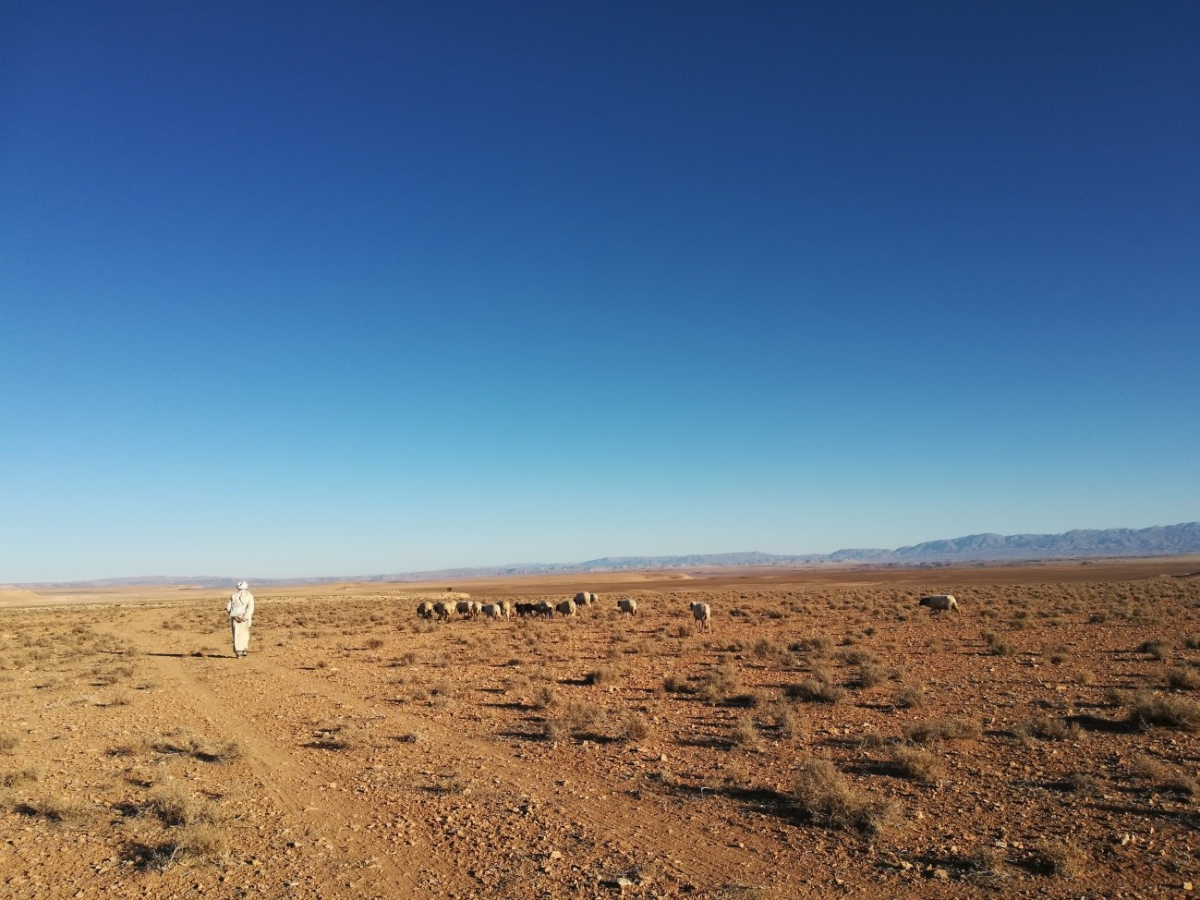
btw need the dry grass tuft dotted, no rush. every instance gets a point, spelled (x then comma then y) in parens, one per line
(918, 764)
(951, 728)
(822, 794)
(1184, 679)
(819, 687)
(56, 808)
(1057, 859)
(1148, 710)
(911, 696)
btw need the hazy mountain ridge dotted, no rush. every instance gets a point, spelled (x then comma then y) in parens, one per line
(1159, 540)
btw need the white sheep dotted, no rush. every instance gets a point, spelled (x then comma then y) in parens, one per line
(506, 609)
(584, 598)
(463, 608)
(940, 603)
(442, 609)
(702, 613)
(626, 605)
(566, 608)
(491, 610)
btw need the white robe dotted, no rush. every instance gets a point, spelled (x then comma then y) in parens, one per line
(240, 606)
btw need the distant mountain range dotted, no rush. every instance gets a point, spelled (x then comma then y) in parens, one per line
(1162, 540)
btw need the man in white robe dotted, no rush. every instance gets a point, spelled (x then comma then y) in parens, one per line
(241, 610)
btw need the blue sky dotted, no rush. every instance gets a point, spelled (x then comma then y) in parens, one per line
(304, 289)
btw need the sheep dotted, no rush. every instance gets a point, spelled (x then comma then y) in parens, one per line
(526, 609)
(425, 610)
(940, 603)
(476, 608)
(544, 609)
(626, 605)
(463, 608)
(506, 609)
(584, 598)
(702, 613)
(491, 610)
(442, 609)
(567, 608)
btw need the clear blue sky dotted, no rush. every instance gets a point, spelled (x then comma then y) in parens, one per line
(360, 287)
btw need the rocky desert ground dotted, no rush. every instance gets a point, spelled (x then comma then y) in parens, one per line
(826, 738)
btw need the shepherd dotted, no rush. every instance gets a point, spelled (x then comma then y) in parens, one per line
(241, 610)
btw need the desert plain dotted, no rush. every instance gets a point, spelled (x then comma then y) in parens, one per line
(826, 738)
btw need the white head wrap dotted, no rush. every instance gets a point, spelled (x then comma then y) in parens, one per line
(242, 586)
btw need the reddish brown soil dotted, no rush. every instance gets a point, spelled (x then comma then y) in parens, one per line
(376, 755)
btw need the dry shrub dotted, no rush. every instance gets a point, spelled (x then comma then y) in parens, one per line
(911, 696)
(13, 777)
(374, 643)
(951, 728)
(1083, 783)
(1002, 648)
(174, 805)
(743, 734)
(1169, 712)
(1184, 679)
(56, 808)
(918, 764)
(201, 841)
(584, 719)
(8, 741)
(787, 723)
(1162, 776)
(603, 675)
(673, 684)
(632, 727)
(1045, 728)
(822, 794)
(544, 697)
(1155, 648)
(819, 687)
(1056, 859)
(872, 675)
(721, 681)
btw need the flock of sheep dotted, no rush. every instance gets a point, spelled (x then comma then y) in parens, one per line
(503, 609)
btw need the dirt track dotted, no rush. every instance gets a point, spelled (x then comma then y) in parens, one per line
(378, 756)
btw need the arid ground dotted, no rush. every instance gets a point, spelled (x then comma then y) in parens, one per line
(826, 738)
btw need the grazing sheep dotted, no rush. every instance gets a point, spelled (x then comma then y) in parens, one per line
(626, 605)
(585, 598)
(476, 608)
(463, 608)
(491, 610)
(702, 613)
(425, 610)
(506, 609)
(526, 609)
(566, 608)
(940, 603)
(442, 609)
(544, 609)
